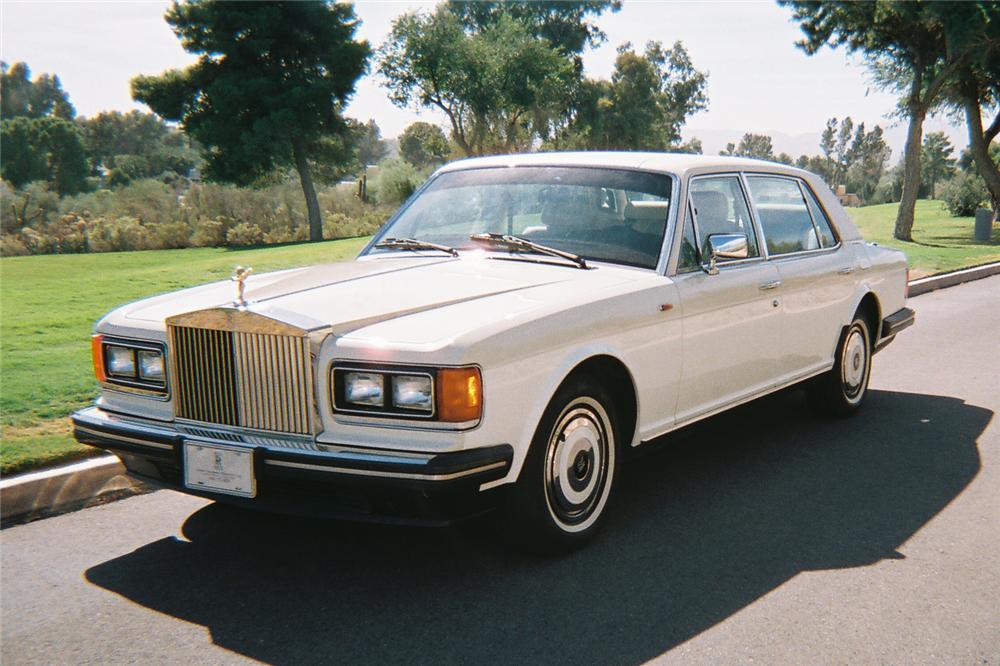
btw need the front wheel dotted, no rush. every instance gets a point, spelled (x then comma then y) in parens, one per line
(559, 500)
(842, 390)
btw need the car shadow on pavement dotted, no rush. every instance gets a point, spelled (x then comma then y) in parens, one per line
(729, 511)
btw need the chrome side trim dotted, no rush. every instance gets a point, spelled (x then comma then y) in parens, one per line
(387, 475)
(123, 438)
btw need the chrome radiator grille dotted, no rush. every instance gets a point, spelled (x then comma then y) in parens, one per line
(252, 380)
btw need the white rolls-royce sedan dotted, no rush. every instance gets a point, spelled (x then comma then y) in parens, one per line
(514, 328)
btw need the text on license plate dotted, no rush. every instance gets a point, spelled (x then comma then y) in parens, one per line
(220, 469)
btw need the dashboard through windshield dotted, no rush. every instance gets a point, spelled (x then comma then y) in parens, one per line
(612, 215)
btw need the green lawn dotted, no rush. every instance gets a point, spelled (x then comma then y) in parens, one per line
(48, 305)
(941, 243)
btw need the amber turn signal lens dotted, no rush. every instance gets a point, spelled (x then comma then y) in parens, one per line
(459, 395)
(97, 351)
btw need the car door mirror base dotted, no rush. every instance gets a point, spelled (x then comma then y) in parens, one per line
(725, 246)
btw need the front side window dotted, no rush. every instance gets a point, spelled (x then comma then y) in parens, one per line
(784, 216)
(720, 208)
(611, 215)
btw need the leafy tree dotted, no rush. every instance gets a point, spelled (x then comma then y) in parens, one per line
(642, 107)
(422, 144)
(785, 158)
(692, 147)
(868, 155)
(757, 146)
(46, 148)
(112, 135)
(499, 85)
(20, 96)
(371, 147)
(937, 164)
(966, 162)
(904, 42)
(267, 90)
(563, 23)
(973, 28)
(852, 156)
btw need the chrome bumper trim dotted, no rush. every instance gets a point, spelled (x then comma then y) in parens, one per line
(388, 475)
(123, 438)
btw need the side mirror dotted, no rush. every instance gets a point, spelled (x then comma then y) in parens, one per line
(726, 246)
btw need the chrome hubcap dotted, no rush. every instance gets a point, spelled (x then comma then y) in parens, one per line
(578, 462)
(855, 363)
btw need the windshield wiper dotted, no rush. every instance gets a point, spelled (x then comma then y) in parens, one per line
(518, 244)
(415, 245)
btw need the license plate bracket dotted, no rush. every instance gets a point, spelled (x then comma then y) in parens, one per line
(219, 469)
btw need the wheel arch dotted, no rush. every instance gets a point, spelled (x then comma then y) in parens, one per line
(870, 307)
(615, 375)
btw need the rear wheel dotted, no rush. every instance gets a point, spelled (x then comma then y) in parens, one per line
(842, 390)
(562, 493)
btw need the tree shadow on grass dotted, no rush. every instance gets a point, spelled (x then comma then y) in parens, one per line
(731, 510)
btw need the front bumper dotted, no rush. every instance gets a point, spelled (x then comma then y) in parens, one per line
(336, 481)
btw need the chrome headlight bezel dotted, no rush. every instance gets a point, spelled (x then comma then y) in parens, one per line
(136, 379)
(453, 394)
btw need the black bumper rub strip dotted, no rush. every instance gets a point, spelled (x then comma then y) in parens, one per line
(897, 321)
(94, 427)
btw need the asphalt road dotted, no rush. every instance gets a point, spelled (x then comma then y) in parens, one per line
(766, 535)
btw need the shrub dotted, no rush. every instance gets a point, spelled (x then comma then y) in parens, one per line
(11, 245)
(172, 235)
(245, 233)
(118, 235)
(210, 233)
(964, 193)
(395, 181)
(173, 213)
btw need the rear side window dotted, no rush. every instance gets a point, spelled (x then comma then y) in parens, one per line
(784, 215)
(826, 236)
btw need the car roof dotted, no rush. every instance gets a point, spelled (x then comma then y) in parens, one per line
(676, 163)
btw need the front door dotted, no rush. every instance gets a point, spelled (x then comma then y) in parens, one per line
(731, 320)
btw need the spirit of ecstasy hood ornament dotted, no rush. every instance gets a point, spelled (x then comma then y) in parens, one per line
(240, 275)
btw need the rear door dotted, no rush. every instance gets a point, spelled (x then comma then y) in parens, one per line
(731, 321)
(815, 271)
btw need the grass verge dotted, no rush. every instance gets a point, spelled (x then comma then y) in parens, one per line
(941, 243)
(48, 305)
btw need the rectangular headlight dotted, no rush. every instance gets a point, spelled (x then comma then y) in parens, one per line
(413, 392)
(120, 361)
(364, 388)
(151, 365)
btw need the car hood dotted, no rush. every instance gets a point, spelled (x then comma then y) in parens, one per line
(348, 296)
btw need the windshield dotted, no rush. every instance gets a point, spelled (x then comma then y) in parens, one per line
(609, 215)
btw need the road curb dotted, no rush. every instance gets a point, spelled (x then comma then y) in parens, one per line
(37, 494)
(943, 280)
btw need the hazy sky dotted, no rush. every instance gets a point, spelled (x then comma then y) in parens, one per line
(758, 80)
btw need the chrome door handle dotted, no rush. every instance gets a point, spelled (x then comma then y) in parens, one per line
(846, 270)
(773, 284)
